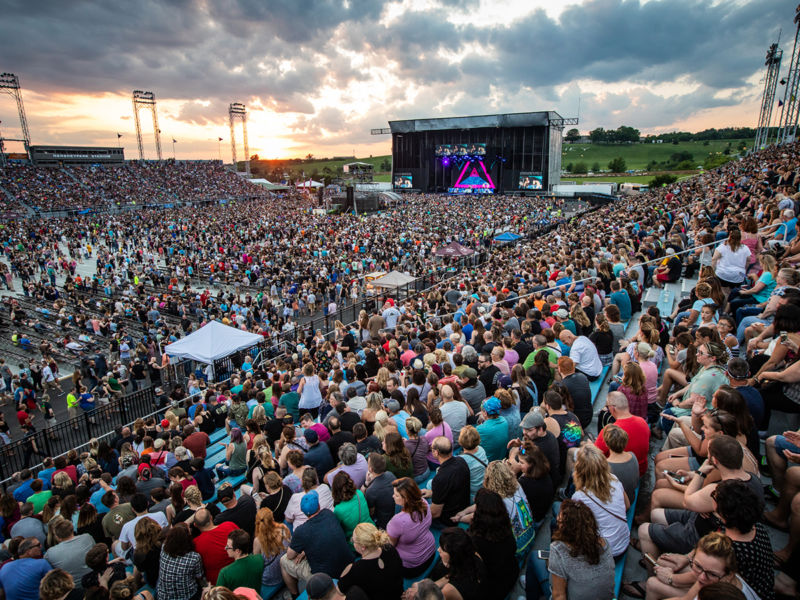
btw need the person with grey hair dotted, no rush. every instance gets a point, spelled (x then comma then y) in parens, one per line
(352, 463)
(636, 427)
(470, 356)
(785, 231)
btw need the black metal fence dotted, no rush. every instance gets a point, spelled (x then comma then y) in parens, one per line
(75, 433)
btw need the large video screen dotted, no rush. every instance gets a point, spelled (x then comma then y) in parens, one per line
(403, 181)
(463, 150)
(530, 181)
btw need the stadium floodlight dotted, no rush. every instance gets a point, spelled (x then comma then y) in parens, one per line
(9, 84)
(146, 100)
(238, 112)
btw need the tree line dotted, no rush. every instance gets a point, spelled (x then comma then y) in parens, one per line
(625, 134)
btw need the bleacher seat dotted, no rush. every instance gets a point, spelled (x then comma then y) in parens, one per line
(595, 385)
(619, 567)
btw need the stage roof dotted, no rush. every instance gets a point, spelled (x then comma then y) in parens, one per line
(509, 120)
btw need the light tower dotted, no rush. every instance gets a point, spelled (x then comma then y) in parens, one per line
(787, 126)
(238, 112)
(148, 101)
(9, 84)
(773, 64)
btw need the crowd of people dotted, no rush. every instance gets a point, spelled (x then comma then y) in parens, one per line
(77, 188)
(422, 450)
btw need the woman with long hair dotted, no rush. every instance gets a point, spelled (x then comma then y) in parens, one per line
(603, 493)
(494, 541)
(603, 339)
(262, 462)
(761, 289)
(533, 474)
(437, 427)
(180, 569)
(418, 447)
(730, 260)
(581, 565)
(541, 373)
(271, 541)
(466, 575)
(379, 571)
(146, 556)
(523, 389)
(349, 504)
(374, 406)
(398, 458)
(635, 390)
(235, 456)
(409, 529)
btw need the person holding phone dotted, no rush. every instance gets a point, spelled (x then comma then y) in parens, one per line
(580, 564)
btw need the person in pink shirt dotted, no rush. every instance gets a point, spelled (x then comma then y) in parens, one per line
(437, 427)
(499, 361)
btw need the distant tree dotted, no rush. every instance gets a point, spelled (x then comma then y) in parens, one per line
(568, 168)
(573, 135)
(254, 157)
(625, 133)
(309, 156)
(580, 168)
(617, 165)
(662, 180)
(598, 135)
(386, 165)
(595, 167)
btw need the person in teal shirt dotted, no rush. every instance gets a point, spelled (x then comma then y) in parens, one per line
(494, 430)
(761, 290)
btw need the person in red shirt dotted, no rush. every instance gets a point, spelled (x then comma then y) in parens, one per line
(636, 427)
(195, 442)
(211, 542)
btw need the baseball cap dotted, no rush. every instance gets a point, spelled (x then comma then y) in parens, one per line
(309, 503)
(393, 405)
(144, 471)
(533, 419)
(319, 585)
(418, 364)
(165, 423)
(311, 436)
(469, 373)
(492, 406)
(561, 313)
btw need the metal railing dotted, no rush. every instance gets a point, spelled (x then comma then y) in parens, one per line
(75, 433)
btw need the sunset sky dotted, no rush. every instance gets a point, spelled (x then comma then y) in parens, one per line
(317, 75)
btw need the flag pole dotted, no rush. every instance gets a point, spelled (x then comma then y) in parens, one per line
(173, 148)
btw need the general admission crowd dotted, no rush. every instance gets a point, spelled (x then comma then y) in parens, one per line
(419, 451)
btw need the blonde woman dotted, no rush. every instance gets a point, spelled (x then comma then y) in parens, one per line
(369, 414)
(384, 425)
(262, 462)
(604, 494)
(379, 571)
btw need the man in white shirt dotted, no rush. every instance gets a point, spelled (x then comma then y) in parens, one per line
(390, 315)
(127, 541)
(583, 353)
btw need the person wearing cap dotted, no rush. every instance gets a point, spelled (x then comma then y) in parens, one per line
(322, 587)
(494, 429)
(318, 455)
(562, 316)
(317, 546)
(535, 430)
(240, 511)
(147, 481)
(669, 270)
(471, 388)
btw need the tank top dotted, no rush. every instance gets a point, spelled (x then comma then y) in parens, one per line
(238, 460)
(311, 396)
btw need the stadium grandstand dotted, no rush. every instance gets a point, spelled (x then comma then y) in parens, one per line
(535, 375)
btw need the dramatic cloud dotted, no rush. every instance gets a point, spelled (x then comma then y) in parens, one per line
(323, 72)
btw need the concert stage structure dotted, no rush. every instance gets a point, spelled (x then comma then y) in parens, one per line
(517, 153)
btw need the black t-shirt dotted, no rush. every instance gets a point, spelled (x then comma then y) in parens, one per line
(323, 541)
(243, 514)
(549, 445)
(336, 441)
(523, 349)
(502, 568)
(349, 419)
(273, 429)
(277, 502)
(137, 371)
(603, 341)
(369, 445)
(578, 386)
(450, 488)
(380, 499)
(489, 377)
(540, 494)
(380, 577)
(148, 565)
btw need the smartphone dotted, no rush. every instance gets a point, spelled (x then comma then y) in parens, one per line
(784, 336)
(543, 554)
(675, 476)
(649, 559)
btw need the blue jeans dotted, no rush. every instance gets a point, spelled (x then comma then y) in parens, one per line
(745, 311)
(745, 323)
(537, 577)
(666, 424)
(420, 479)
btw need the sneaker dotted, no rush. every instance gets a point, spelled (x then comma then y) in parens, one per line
(771, 493)
(764, 467)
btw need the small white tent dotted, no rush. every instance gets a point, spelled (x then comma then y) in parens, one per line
(395, 279)
(310, 183)
(211, 342)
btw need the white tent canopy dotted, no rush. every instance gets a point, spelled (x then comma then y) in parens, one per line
(211, 342)
(395, 279)
(309, 183)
